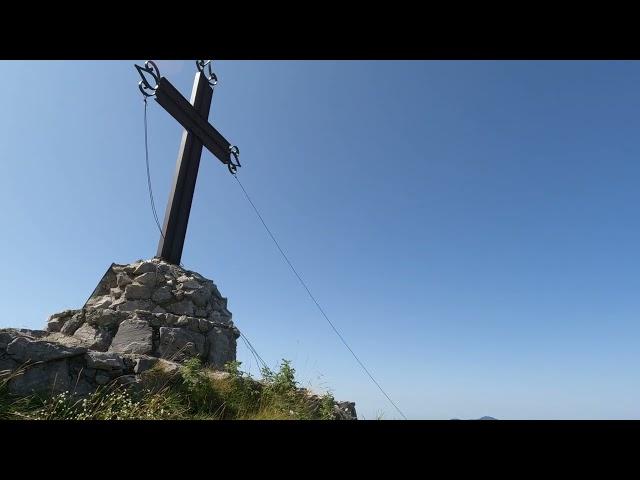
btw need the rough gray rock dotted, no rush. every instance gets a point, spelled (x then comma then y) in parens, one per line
(204, 325)
(65, 340)
(131, 305)
(107, 317)
(23, 349)
(94, 338)
(143, 364)
(186, 283)
(8, 365)
(133, 336)
(122, 280)
(128, 380)
(179, 343)
(162, 294)
(52, 376)
(71, 325)
(104, 361)
(149, 279)
(104, 301)
(136, 291)
(102, 378)
(222, 346)
(145, 267)
(184, 307)
(199, 296)
(220, 318)
(190, 323)
(346, 410)
(57, 320)
(6, 337)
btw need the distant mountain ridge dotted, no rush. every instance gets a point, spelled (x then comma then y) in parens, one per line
(481, 418)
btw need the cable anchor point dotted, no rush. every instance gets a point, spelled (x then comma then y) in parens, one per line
(235, 153)
(150, 68)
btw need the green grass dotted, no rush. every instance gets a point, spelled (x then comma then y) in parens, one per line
(194, 392)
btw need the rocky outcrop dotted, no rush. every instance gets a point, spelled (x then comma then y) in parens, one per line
(143, 315)
(42, 364)
(138, 313)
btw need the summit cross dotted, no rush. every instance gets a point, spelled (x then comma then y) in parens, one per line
(193, 116)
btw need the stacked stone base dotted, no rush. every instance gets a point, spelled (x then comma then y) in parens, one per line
(140, 316)
(139, 313)
(36, 363)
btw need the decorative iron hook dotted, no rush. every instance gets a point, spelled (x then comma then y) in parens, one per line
(145, 87)
(235, 153)
(210, 76)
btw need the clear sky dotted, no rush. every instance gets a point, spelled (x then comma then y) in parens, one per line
(472, 228)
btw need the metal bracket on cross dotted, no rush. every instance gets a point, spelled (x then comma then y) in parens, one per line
(211, 77)
(145, 87)
(235, 153)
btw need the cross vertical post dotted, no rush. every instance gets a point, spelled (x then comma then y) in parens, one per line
(184, 181)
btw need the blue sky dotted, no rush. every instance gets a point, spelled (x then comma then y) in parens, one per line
(470, 227)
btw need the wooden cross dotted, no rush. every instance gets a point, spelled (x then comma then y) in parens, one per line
(193, 116)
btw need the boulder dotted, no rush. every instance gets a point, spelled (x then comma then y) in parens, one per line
(107, 317)
(57, 320)
(71, 325)
(221, 347)
(7, 365)
(104, 361)
(102, 378)
(185, 307)
(133, 336)
(94, 338)
(66, 340)
(219, 318)
(162, 295)
(149, 279)
(144, 267)
(191, 323)
(6, 337)
(49, 377)
(104, 301)
(124, 305)
(179, 343)
(198, 296)
(186, 283)
(23, 349)
(143, 364)
(137, 291)
(122, 280)
(346, 410)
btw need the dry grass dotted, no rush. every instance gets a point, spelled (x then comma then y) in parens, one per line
(192, 393)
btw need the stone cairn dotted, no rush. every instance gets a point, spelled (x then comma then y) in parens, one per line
(138, 315)
(146, 314)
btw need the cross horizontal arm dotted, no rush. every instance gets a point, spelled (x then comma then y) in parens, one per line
(179, 108)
